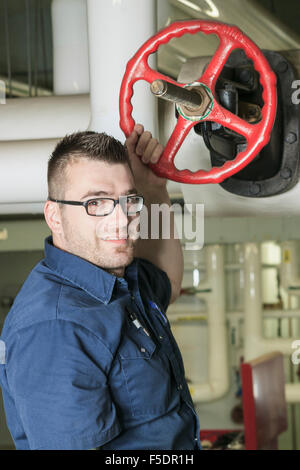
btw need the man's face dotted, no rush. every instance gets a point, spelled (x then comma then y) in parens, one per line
(107, 241)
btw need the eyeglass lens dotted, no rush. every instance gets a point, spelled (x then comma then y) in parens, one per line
(131, 205)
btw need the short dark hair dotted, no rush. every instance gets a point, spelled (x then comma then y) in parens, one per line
(88, 144)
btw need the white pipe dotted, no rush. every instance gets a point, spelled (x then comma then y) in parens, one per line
(22, 208)
(30, 128)
(55, 116)
(289, 278)
(218, 377)
(254, 344)
(116, 29)
(48, 117)
(30, 159)
(114, 36)
(70, 47)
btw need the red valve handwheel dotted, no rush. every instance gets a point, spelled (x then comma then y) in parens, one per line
(257, 135)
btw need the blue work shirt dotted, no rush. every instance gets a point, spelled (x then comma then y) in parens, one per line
(91, 360)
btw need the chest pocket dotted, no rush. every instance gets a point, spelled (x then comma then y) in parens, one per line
(146, 372)
(164, 329)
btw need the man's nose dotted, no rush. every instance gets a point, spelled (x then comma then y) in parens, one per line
(120, 214)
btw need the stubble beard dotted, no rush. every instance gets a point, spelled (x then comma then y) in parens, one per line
(100, 254)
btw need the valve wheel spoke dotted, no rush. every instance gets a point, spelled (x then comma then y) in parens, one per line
(216, 64)
(227, 119)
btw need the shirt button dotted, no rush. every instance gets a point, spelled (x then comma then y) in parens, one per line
(161, 337)
(180, 387)
(143, 350)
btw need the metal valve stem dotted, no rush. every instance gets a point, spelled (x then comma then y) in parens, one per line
(170, 92)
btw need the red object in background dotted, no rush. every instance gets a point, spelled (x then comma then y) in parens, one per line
(264, 405)
(257, 135)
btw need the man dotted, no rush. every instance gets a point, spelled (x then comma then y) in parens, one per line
(90, 358)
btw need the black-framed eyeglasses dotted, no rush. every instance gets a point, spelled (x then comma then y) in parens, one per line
(101, 206)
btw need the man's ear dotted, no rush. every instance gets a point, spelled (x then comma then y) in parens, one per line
(52, 215)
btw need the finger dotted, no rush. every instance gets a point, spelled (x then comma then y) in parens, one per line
(143, 142)
(131, 141)
(157, 153)
(139, 128)
(147, 155)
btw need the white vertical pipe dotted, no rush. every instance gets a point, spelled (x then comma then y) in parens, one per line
(70, 47)
(116, 30)
(240, 279)
(218, 368)
(253, 302)
(218, 357)
(254, 342)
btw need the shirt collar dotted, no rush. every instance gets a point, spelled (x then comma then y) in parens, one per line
(78, 271)
(131, 275)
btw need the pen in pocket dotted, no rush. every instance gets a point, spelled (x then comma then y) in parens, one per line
(155, 306)
(136, 322)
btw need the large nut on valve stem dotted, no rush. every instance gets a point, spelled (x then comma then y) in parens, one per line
(195, 114)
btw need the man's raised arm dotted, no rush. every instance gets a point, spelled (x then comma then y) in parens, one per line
(164, 253)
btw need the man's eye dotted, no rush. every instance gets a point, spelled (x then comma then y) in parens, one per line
(133, 199)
